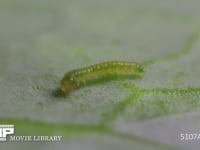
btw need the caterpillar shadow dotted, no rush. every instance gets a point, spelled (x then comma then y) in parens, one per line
(109, 78)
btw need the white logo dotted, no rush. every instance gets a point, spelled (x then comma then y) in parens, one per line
(6, 130)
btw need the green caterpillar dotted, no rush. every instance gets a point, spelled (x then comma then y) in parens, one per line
(83, 76)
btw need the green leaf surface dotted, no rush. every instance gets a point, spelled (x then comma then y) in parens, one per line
(41, 40)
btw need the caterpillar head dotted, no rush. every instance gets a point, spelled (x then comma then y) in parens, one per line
(68, 84)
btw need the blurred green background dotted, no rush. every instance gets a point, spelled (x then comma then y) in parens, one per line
(40, 40)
